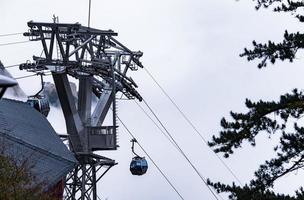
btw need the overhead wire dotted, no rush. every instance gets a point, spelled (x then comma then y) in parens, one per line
(171, 141)
(192, 125)
(146, 113)
(10, 66)
(154, 163)
(10, 34)
(21, 77)
(12, 43)
(182, 152)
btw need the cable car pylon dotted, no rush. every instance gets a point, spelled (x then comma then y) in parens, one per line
(100, 63)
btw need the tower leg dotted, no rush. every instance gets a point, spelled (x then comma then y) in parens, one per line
(81, 183)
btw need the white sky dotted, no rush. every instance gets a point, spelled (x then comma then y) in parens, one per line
(192, 48)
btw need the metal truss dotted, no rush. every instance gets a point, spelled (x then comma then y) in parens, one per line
(81, 183)
(84, 50)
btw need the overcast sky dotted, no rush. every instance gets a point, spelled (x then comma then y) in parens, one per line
(192, 48)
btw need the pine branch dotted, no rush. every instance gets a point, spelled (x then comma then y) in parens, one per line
(274, 169)
(247, 126)
(286, 50)
(289, 158)
(266, 3)
(280, 5)
(251, 193)
(289, 6)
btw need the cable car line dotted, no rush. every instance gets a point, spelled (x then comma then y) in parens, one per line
(146, 113)
(150, 158)
(182, 152)
(12, 43)
(10, 66)
(172, 142)
(21, 77)
(10, 34)
(192, 125)
(166, 135)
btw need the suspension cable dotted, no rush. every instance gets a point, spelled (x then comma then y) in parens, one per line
(9, 66)
(182, 152)
(146, 113)
(10, 34)
(21, 77)
(192, 125)
(12, 43)
(154, 163)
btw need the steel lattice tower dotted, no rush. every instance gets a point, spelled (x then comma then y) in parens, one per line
(100, 63)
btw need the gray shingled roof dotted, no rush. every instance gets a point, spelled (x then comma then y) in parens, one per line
(30, 135)
(13, 91)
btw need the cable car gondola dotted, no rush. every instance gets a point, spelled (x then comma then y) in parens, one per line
(40, 102)
(139, 165)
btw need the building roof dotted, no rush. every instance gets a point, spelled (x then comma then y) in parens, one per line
(6, 81)
(29, 135)
(12, 91)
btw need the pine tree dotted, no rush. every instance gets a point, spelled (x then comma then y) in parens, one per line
(259, 118)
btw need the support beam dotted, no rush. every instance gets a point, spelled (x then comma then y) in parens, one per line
(85, 98)
(72, 119)
(84, 106)
(82, 45)
(102, 107)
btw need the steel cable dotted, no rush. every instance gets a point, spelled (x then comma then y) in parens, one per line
(12, 43)
(10, 34)
(181, 151)
(192, 125)
(154, 163)
(9, 66)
